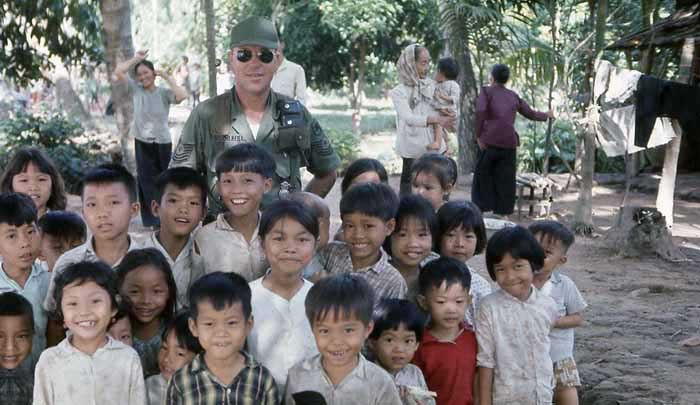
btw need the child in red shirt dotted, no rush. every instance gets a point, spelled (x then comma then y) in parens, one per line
(447, 353)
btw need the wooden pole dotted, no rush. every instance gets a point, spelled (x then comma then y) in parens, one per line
(667, 185)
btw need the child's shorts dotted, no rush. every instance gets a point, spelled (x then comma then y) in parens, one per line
(566, 374)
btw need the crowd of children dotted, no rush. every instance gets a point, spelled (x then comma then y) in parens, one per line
(260, 307)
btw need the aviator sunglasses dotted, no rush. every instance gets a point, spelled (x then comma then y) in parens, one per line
(245, 55)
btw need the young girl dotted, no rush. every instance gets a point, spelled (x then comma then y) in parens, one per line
(462, 234)
(88, 367)
(178, 348)
(120, 329)
(434, 176)
(513, 324)
(148, 287)
(363, 170)
(33, 173)
(411, 243)
(289, 233)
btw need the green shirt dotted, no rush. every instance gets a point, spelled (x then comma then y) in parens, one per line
(220, 123)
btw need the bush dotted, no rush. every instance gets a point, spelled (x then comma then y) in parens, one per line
(346, 145)
(64, 140)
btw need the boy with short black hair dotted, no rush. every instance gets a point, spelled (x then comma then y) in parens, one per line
(318, 208)
(447, 354)
(339, 309)
(556, 239)
(16, 330)
(60, 232)
(220, 318)
(231, 243)
(398, 330)
(367, 211)
(181, 195)
(446, 97)
(19, 271)
(109, 203)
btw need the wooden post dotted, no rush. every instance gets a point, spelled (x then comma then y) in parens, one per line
(667, 185)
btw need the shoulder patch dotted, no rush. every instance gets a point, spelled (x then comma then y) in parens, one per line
(182, 153)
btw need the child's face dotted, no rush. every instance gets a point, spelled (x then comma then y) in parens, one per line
(427, 185)
(15, 340)
(222, 333)
(365, 235)
(395, 348)
(459, 243)
(87, 310)
(19, 246)
(172, 356)
(35, 184)
(447, 304)
(440, 77)
(339, 339)
(411, 243)
(107, 210)
(514, 276)
(52, 247)
(180, 209)
(121, 331)
(366, 177)
(147, 291)
(555, 254)
(288, 246)
(242, 192)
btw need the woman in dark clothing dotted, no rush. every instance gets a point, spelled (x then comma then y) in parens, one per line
(493, 188)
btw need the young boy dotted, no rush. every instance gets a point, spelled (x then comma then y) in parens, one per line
(513, 324)
(19, 271)
(109, 204)
(445, 98)
(60, 232)
(555, 239)
(220, 318)
(367, 211)
(398, 330)
(318, 208)
(447, 354)
(231, 243)
(16, 330)
(181, 203)
(339, 309)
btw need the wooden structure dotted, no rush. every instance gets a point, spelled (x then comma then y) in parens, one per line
(535, 192)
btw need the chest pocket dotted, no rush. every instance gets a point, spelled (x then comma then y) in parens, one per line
(292, 131)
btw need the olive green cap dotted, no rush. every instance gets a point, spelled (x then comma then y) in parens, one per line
(255, 31)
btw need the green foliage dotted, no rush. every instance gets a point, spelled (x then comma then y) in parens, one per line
(532, 145)
(64, 140)
(35, 30)
(346, 145)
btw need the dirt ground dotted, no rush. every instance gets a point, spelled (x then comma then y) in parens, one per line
(629, 350)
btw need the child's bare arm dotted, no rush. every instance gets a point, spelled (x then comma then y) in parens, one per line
(568, 321)
(485, 379)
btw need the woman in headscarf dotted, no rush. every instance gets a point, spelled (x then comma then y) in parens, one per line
(414, 114)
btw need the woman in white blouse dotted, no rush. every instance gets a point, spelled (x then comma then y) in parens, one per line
(414, 114)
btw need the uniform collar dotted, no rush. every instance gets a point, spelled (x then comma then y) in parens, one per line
(239, 122)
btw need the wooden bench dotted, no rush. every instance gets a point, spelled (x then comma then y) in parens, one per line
(535, 192)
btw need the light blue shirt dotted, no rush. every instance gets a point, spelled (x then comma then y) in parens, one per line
(34, 291)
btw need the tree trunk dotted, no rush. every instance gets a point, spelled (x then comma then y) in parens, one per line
(583, 217)
(555, 14)
(466, 124)
(116, 29)
(209, 21)
(67, 99)
(667, 185)
(357, 75)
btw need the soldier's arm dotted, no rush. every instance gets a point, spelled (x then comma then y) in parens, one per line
(323, 161)
(187, 148)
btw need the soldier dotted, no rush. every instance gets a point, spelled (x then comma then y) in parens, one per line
(252, 113)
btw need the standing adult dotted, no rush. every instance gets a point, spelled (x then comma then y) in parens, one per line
(290, 78)
(153, 144)
(182, 73)
(493, 188)
(252, 113)
(414, 112)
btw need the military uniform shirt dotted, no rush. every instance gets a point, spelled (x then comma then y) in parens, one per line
(220, 123)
